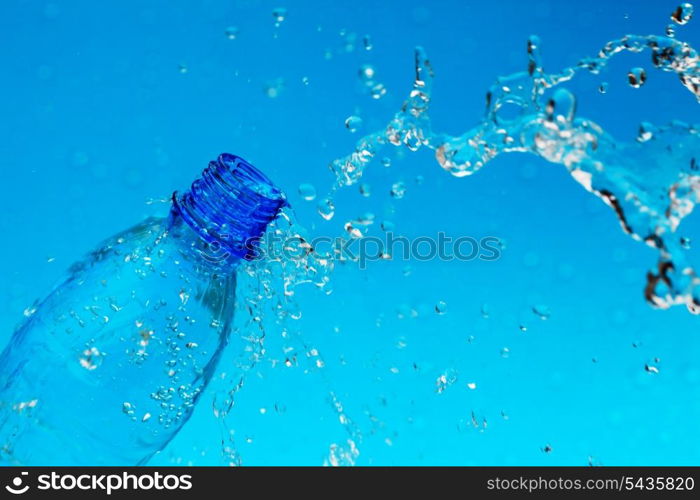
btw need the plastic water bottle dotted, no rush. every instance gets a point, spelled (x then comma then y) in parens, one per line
(111, 364)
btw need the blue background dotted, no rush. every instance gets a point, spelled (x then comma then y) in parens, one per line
(107, 106)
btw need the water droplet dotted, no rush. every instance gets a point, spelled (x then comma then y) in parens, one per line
(367, 72)
(485, 311)
(387, 226)
(29, 311)
(128, 408)
(353, 123)
(542, 311)
(670, 31)
(651, 369)
(145, 417)
(547, 448)
(378, 91)
(386, 162)
(279, 15)
(603, 88)
(91, 358)
(398, 190)
(365, 190)
(685, 243)
(182, 69)
(441, 307)
(231, 32)
(274, 88)
(682, 14)
(445, 380)
(352, 230)
(366, 219)
(471, 385)
(646, 132)
(367, 42)
(561, 106)
(636, 77)
(307, 192)
(326, 208)
(305, 80)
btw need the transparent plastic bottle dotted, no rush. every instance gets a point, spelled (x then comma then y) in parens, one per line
(111, 364)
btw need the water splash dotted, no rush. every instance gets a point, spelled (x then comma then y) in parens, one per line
(267, 288)
(651, 184)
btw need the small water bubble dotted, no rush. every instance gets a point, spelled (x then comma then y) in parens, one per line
(471, 385)
(326, 208)
(386, 162)
(407, 271)
(307, 192)
(367, 72)
(542, 311)
(561, 106)
(231, 32)
(378, 91)
(146, 417)
(547, 448)
(398, 190)
(603, 88)
(91, 358)
(485, 311)
(445, 380)
(670, 31)
(441, 307)
(182, 69)
(646, 132)
(352, 230)
(349, 39)
(366, 219)
(279, 15)
(29, 311)
(353, 123)
(367, 42)
(365, 190)
(682, 14)
(305, 80)
(636, 77)
(387, 226)
(274, 88)
(649, 368)
(685, 243)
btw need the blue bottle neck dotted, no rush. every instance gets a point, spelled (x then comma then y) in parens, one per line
(230, 206)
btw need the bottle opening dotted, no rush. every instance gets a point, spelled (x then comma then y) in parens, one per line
(230, 205)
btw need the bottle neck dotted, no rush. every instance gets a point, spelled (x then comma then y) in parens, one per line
(229, 208)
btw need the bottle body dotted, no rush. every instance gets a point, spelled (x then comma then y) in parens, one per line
(115, 358)
(111, 364)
